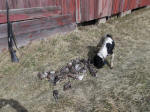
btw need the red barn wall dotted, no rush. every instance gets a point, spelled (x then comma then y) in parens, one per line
(81, 10)
(17, 4)
(92, 9)
(68, 7)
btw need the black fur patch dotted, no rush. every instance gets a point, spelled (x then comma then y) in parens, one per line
(108, 35)
(98, 62)
(110, 47)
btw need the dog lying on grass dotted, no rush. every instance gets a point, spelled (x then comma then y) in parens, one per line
(105, 48)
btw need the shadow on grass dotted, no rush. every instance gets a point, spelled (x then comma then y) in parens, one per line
(92, 50)
(13, 103)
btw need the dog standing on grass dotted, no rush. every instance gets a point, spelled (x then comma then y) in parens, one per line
(105, 48)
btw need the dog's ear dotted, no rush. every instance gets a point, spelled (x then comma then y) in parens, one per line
(109, 35)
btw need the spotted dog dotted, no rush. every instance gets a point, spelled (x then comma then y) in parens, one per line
(105, 48)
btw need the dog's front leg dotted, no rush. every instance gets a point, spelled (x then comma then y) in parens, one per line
(112, 61)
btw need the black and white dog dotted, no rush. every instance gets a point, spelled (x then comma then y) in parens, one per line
(106, 47)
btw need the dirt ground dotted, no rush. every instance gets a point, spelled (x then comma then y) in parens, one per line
(126, 88)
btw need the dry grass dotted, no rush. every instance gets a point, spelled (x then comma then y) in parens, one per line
(126, 88)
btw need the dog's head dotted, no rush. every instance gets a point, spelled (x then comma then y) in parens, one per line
(98, 61)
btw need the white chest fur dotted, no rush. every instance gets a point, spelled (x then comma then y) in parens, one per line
(103, 51)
